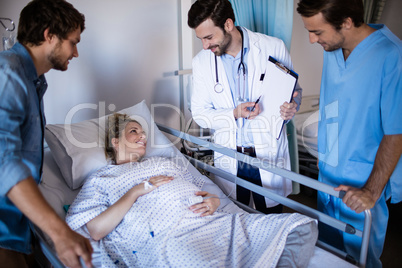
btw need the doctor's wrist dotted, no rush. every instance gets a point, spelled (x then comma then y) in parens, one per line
(236, 114)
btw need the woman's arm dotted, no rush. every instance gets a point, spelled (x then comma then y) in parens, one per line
(106, 222)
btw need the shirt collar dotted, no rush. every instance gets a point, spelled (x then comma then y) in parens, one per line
(27, 62)
(30, 69)
(246, 40)
(246, 44)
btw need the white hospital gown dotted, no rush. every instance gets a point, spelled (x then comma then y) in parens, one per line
(160, 231)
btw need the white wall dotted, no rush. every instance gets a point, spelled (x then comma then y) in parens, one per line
(391, 16)
(308, 59)
(128, 52)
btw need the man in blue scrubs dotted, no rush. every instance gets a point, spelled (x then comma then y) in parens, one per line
(360, 130)
(48, 34)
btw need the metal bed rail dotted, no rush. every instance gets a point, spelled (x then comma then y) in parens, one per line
(45, 247)
(49, 252)
(319, 186)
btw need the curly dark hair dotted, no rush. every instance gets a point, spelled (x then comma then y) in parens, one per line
(59, 16)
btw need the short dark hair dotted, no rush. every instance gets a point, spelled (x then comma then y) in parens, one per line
(217, 10)
(334, 11)
(58, 15)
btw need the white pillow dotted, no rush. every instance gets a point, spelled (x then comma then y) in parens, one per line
(78, 149)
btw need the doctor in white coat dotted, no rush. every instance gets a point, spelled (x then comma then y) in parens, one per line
(222, 102)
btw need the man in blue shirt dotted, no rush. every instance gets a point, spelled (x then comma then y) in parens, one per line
(48, 33)
(360, 130)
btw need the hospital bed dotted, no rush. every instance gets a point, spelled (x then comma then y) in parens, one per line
(76, 150)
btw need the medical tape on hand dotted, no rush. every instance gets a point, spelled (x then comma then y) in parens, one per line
(147, 185)
(198, 199)
(194, 200)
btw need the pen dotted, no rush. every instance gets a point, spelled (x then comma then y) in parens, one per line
(252, 109)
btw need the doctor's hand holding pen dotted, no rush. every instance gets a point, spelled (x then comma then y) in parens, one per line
(248, 110)
(288, 110)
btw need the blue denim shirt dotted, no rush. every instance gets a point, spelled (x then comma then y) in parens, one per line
(21, 139)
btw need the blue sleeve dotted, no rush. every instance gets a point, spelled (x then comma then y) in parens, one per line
(391, 94)
(12, 116)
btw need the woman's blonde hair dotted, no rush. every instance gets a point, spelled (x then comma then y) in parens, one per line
(115, 128)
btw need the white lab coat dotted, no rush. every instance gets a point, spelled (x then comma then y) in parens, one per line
(215, 111)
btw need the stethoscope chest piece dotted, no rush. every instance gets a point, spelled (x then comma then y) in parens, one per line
(218, 88)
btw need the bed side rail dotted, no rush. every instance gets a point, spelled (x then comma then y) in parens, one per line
(48, 250)
(319, 186)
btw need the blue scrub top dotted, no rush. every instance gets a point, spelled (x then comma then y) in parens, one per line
(360, 102)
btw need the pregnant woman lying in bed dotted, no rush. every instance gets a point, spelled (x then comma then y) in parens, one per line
(139, 212)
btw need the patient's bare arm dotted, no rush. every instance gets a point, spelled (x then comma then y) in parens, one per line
(107, 221)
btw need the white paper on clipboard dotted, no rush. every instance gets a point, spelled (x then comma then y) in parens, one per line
(277, 87)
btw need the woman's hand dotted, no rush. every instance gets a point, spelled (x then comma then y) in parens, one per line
(208, 206)
(103, 224)
(148, 186)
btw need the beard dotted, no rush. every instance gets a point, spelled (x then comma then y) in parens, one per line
(337, 45)
(56, 60)
(227, 40)
(332, 48)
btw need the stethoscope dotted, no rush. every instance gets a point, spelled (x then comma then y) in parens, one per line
(219, 87)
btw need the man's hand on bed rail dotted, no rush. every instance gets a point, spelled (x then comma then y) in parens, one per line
(68, 244)
(357, 199)
(208, 206)
(387, 157)
(288, 110)
(71, 247)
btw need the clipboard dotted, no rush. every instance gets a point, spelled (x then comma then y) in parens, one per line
(278, 85)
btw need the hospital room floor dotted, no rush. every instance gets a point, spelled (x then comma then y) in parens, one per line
(392, 254)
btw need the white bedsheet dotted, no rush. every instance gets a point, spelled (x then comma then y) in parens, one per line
(321, 259)
(160, 230)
